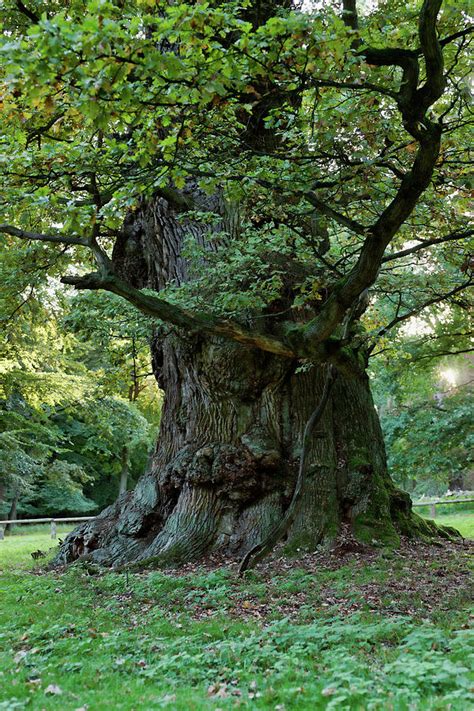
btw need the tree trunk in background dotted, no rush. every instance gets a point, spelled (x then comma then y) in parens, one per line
(226, 460)
(12, 514)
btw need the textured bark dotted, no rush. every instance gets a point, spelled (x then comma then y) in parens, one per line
(225, 465)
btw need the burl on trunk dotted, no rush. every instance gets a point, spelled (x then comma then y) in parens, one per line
(226, 462)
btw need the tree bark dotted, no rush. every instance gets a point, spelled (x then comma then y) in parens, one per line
(226, 461)
(12, 514)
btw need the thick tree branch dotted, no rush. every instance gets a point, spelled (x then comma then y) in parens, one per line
(291, 347)
(431, 49)
(349, 14)
(413, 184)
(171, 313)
(59, 239)
(450, 38)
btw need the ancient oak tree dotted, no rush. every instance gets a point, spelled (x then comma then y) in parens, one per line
(263, 183)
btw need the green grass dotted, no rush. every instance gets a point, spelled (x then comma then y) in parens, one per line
(464, 522)
(208, 640)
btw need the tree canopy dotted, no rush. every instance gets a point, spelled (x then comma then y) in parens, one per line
(359, 174)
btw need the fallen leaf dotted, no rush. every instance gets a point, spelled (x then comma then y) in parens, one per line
(53, 689)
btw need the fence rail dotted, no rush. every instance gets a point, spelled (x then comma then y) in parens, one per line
(432, 504)
(52, 521)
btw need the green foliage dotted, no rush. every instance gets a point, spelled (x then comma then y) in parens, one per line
(430, 443)
(106, 104)
(70, 407)
(426, 407)
(29, 468)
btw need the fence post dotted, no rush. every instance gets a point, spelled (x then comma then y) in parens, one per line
(2, 533)
(433, 510)
(53, 528)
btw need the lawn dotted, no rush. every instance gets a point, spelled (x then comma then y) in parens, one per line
(464, 522)
(348, 629)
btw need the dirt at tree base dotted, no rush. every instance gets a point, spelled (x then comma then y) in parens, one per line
(418, 579)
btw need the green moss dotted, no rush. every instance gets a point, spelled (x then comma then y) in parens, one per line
(359, 460)
(370, 530)
(414, 526)
(307, 540)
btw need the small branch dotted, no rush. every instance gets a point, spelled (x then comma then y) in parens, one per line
(363, 86)
(456, 35)
(43, 129)
(442, 354)
(428, 243)
(399, 319)
(27, 12)
(328, 211)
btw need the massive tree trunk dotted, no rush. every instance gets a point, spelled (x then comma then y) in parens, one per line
(225, 465)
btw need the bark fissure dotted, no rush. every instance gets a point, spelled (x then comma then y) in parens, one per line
(262, 549)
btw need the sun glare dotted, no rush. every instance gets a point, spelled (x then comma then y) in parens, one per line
(449, 376)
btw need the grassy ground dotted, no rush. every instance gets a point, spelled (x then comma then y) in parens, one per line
(342, 630)
(464, 522)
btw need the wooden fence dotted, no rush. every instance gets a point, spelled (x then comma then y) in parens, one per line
(52, 521)
(432, 504)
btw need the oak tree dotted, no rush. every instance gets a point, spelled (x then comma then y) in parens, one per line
(276, 188)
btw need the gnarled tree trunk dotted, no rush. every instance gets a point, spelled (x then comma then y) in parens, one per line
(226, 461)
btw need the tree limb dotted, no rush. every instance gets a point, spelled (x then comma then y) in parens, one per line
(412, 106)
(454, 236)
(171, 313)
(21, 7)
(349, 14)
(456, 35)
(442, 354)
(59, 239)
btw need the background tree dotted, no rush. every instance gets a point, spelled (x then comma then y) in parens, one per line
(262, 168)
(424, 397)
(73, 430)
